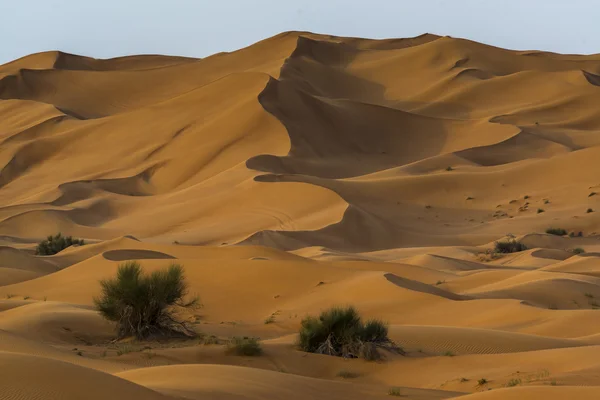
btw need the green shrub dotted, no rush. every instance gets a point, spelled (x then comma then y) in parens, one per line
(244, 346)
(143, 305)
(511, 245)
(556, 231)
(341, 332)
(55, 244)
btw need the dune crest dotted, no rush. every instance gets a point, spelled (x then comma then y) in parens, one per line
(303, 172)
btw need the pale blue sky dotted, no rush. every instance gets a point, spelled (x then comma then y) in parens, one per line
(197, 28)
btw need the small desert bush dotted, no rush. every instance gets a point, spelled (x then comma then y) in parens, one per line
(482, 381)
(394, 392)
(511, 245)
(55, 244)
(341, 332)
(556, 231)
(143, 305)
(589, 210)
(578, 250)
(244, 346)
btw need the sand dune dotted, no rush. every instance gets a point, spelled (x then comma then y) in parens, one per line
(302, 172)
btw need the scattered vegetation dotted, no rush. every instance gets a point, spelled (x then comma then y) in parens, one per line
(341, 332)
(589, 210)
(244, 346)
(556, 231)
(464, 380)
(449, 169)
(526, 197)
(270, 319)
(440, 282)
(513, 382)
(578, 250)
(512, 245)
(482, 381)
(449, 354)
(395, 392)
(546, 201)
(144, 305)
(470, 198)
(55, 244)
(10, 296)
(540, 210)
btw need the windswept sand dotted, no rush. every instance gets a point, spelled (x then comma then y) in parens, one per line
(302, 172)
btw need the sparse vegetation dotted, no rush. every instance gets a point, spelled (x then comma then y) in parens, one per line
(589, 295)
(341, 332)
(526, 197)
(540, 210)
(556, 231)
(513, 382)
(589, 210)
(143, 305)
(512, 245)
(270, 319)
(464, 380)
(395, 392)
(55, 244)
(482, 381)
(449, 169)
(244, 346)
(578, 250)
(470, 198)
(546, 201)
(449, 354)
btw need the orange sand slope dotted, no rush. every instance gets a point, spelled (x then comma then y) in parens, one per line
(302, 172)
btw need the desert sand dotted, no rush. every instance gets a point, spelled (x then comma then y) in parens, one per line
(303, 172)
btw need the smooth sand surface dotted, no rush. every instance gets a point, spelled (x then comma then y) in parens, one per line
(303, 172)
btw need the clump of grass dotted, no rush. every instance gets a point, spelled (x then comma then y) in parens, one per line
(55, 244)
(589, 210)
(513, 382)
(512, 245)
(143, 305)
(440, 282)
(244, 346)
(526, 197)
(395, 392)
(344, 373)
(470, 198)
(449, 354)
(546, 201)
(556, 231)
(10, 296)
(482, 381)
(449, 169)
(589, 295)
(212, 339)
(578, 250)
(540, 210)
(464, 380)
(340, 331)
(26, 297)
(126, 348)
(270, 319)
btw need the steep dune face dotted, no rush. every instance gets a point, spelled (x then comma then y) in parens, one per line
(303, 172)
(362, 130)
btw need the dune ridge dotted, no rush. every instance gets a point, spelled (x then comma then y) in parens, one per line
(302, 172)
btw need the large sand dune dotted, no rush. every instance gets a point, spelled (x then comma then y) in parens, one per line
(302, 172)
